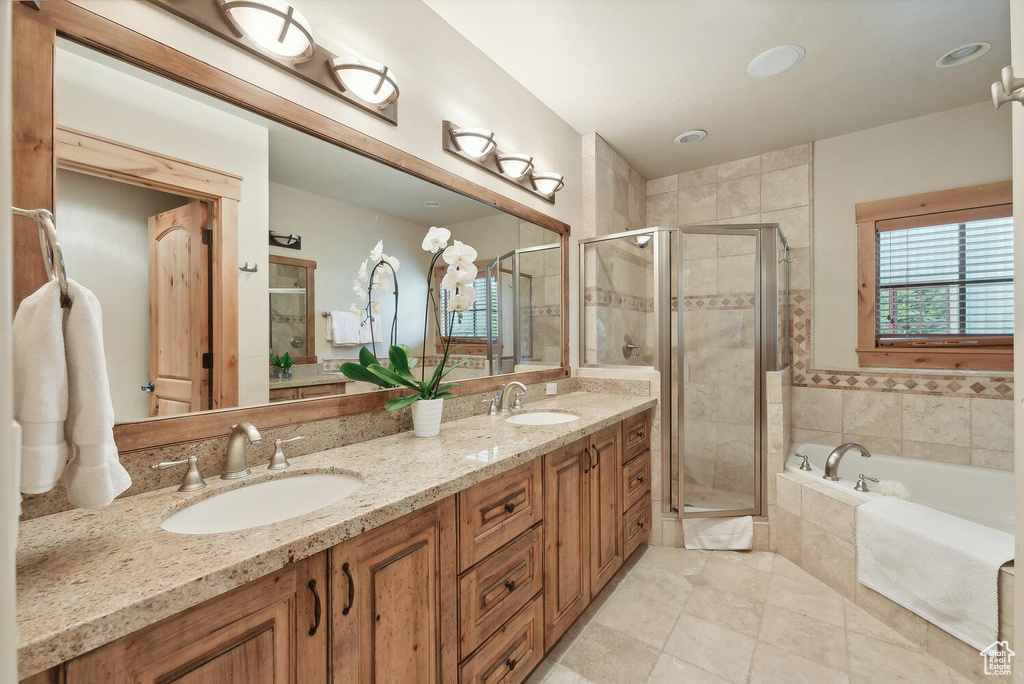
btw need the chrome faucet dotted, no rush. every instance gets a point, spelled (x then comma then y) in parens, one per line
(832, 463)
(236, 464)
(505, 403)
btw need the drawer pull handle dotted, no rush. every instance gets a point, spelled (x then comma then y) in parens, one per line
(316, 607)
(640, 524)
(640, 433)
(510, 585)
(511, 662)
(510, 507)
(351, 589)
(640, 480)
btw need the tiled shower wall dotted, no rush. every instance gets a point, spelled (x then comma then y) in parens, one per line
(955, 418)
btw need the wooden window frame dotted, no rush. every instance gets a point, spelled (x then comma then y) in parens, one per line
(471, 346)
(974, 202)
(310, 267)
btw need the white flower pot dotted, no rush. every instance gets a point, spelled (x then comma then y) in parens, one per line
(426, 417)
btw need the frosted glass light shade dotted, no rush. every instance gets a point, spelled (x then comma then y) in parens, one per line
(477, 143)
(274, 25)
(516, 166)
(368, 80)
(548, 183)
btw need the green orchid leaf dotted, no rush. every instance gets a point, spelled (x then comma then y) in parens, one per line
(356, 372)
(400, 362)
(400, 402)
(390, 376)
(366, 357)
(451, 368)
(444, 395)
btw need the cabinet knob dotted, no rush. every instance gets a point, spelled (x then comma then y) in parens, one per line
(640, 433)
(640, 480)
(511, 662)
(509, 507)
(510, 585)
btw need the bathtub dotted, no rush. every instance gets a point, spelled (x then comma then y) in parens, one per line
(981, 495)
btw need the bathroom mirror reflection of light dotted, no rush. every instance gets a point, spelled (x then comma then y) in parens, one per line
(161, 259)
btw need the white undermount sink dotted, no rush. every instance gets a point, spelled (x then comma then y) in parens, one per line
(542, 418)
(262, 504)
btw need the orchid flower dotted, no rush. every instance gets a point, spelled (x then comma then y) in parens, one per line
(356, 310)
(376, 252)
(392, 262)
(360, 291)
(462, 300)
(459, 254)
(436, 239)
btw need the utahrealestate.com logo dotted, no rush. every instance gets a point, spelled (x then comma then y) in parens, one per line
(998, 658)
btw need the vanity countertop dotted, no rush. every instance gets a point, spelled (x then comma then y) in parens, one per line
(86, 578)
(308, 380)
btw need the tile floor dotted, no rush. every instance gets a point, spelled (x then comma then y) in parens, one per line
(700, 617)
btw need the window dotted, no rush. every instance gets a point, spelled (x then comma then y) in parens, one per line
(471, 331)
(936, 280)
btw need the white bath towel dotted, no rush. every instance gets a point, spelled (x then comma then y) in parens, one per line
(40, 388)
(719, 534)
(342, 327)
(94, 475)
(944, 568)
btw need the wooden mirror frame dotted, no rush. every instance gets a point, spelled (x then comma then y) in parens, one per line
(34, 165)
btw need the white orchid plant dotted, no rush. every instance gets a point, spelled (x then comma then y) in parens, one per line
(458, 283)
(378, 275)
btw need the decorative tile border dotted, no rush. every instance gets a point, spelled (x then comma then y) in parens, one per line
(726, 302)
(599, 296)
(936, 383)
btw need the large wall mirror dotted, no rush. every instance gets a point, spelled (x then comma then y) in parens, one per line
(217, 239)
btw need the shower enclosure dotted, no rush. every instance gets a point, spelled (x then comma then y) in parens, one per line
(522, 288)
(706, 306)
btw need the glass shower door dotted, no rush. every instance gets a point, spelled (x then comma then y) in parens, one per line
(721, 363)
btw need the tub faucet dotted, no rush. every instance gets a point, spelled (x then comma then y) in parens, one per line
(236, 463)
(832, 463)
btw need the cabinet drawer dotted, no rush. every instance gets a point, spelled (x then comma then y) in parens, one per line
(510, 655)
(497, 587)
(636, 435)
(321, 390)
(636, 479)
(637, 524)
(496, 511)
(286, 394)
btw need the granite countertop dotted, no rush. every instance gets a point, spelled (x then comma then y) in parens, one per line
(322, 378)
(86, 578)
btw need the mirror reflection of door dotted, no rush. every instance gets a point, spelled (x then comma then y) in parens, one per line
(179, 305)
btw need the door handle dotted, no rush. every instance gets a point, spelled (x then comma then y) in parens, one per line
(148, 388)
(316, 607)
(351, 589)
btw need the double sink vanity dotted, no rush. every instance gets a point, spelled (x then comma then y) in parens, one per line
(461, 558)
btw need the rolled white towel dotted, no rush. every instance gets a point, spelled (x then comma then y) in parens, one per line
(892, 488)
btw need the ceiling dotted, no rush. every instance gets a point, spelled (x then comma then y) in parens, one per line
(639, 72)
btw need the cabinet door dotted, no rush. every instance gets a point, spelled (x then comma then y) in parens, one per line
(394, 602)
(256, 634)
(605, 475)
(566, 537)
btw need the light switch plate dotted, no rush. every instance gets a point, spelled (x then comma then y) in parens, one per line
(552, 389)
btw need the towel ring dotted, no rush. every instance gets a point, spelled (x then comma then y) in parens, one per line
(53, 256)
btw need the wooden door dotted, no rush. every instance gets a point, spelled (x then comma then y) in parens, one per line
(256, 634)
(179, 299)
(605, 475)
(394, 602)
(566, 537)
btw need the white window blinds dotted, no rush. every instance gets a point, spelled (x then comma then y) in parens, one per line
(954, 279)
(474, 321)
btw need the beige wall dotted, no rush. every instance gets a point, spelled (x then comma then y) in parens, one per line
(339, 238)
(9, 491)
(950, 149)
(97, 99)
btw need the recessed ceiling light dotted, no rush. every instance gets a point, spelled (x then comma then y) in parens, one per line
(963, 54)
(691, 136)
(773, 62)
(433, 204)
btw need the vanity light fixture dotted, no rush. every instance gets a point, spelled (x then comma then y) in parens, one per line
(278, 33)
(963, 54)
(368, 80)
(477, 143)
(478, 147)
(274, 25)
(515, 165)
(547, 182)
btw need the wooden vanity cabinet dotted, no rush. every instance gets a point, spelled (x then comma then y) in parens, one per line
(582, 525)
(394, 601)
(264, 632)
